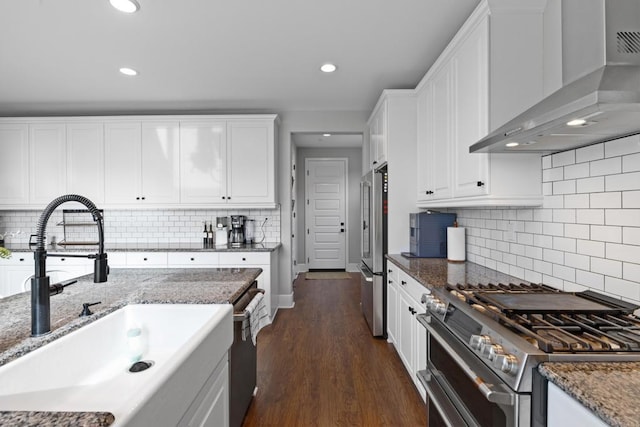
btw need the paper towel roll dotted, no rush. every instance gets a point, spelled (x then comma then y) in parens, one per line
(456, 250)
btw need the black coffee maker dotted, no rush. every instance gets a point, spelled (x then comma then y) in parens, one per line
(236, 235)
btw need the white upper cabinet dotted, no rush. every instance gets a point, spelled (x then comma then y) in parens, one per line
(85, 160)
(47, 166)
(122, 160)
(378, 136)
(14, 173)
(160, 169)
(203, 162)
(251, 162)
(140, 161)
(490, 72)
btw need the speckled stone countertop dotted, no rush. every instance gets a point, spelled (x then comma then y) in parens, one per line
(437, 272)
(124, 286)
(151, 247)
(609, 389)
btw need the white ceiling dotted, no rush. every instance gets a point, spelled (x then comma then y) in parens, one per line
(62, 56)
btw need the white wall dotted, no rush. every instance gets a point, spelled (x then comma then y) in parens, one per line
(354, 156)
(587, 233)
(294, 122)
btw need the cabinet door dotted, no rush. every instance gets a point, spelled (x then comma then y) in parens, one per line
(439, 145)
(160, 160)
(14, 173)
(405, 330)
(85, 160)
(122, 163)
(471, 113)
(379, 148)
(203, 162)
(47, 147)
(392, 310)
(420, 355)
(251, 157)
(425, 142)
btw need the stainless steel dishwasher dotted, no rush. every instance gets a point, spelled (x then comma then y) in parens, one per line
(242, 361)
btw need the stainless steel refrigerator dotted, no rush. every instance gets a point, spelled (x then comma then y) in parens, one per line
(373, 210)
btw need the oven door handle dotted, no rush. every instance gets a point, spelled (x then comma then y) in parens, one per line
(438, 397)
(485, 388)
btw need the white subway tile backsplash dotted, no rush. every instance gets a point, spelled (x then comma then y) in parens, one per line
(524, 238)
(556, 174)
(624, 288)
(608, 166)
(580, 170)
(590, 216)
(546, 162)
(622, 182)
(533, 252)
(606, 267)
(577, 231)
(623, 217)
(543, 241)
(631, 235)
(533, 276)
(605, 200)
(631, 271)
(524, 262)
(590, 185)
(565, 187)
(553, 256)
(592, 280)
(630, 199)
(581, 262)
(605, 233)
(620, 252)
(543, 267)
(573, 201)
(589, 247)
(553, 229)
(545, 215)
(533, 227)
(564, 215)
(563, 159)
(622, 146)
(631, 163)
(547, 188)
(564, 273)
(592, 152)
(564, 244)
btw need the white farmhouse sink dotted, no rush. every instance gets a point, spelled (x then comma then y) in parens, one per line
(88, 369)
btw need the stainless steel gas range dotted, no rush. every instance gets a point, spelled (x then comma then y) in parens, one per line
(484, 343)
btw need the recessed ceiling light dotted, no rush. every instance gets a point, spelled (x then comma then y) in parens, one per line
(576, 122)
(126, 6)
(128, 71)
(328, 68)
(326, 134)
(511, 144)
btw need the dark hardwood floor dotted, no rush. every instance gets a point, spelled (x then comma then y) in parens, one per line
(318, 365)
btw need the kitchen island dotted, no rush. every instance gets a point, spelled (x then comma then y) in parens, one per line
(124, 286)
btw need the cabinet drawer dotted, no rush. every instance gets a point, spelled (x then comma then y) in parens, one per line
(392, 272)
(203, 259)
(411, 286)
(64, 261)
(240, 258)
(117, 259)
(146, 259)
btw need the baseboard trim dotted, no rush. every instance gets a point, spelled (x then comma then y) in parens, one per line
(286, 301)
(351, 268)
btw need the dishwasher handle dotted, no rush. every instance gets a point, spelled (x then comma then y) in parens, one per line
(366, 273)
(239, 313)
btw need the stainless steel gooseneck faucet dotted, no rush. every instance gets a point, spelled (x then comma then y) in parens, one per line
(40, 304)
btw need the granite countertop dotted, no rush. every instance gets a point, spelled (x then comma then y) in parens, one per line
(609, 389)
(124, 286)
(149, 247)
(438, 272)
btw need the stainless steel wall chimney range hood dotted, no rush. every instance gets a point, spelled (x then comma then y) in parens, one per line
(596, 103)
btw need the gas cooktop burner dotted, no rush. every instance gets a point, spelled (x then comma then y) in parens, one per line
(557, 321)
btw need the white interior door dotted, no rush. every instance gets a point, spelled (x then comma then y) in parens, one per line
(325, 216)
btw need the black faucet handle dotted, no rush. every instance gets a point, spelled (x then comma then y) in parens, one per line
(85, 308)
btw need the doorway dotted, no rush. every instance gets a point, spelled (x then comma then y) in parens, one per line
(326, 213)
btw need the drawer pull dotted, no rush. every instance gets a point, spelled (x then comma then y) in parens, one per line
(193, 259)
(144, 259)
(403, 282)
(244, 259)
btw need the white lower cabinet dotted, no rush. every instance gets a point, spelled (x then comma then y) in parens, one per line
(146, 259)
(409, 336)
(210, 408)
(563, 410)
(392, 302)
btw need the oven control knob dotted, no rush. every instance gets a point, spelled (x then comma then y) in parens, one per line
(440, 307)
(507, 363)
(432, 303)
(494, 350)
(478, 341)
